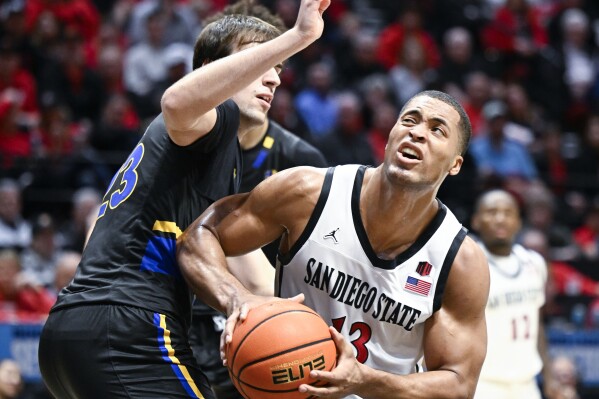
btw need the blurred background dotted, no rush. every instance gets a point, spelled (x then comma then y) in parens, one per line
(81, 79)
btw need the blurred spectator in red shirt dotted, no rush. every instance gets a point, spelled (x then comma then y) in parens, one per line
(516, 28)
(395, 36)
(478, 89)
(81, 15)
(18, 105)
(587, 235)
(20, 300)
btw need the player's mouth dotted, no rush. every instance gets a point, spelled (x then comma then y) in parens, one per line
(410, 153)
(265, 99)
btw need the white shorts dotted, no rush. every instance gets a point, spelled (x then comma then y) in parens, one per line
(499, 390)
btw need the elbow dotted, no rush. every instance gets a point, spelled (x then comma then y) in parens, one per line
(169, 102)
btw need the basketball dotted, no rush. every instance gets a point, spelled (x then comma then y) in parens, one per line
(273, 350)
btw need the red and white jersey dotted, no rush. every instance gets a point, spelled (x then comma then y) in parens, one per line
(516, 294)
(379, 305)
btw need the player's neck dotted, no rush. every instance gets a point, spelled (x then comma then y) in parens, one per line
(383, 210)
(499, 250)
(253, 136)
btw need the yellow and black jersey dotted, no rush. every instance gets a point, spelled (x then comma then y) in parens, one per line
(160, 190)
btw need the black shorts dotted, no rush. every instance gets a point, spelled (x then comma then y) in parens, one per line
(204, 338)
(109, 351)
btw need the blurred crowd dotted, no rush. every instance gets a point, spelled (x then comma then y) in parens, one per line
(81, 79)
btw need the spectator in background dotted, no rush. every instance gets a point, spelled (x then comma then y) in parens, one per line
(116, 132)
(478, 91)
(587, 235)
(78, 15)
(72, 81)
(20, 299)
(15, 232)
(85, 202)
(358, 60)
(143, 64)
(525, 121)
(459, 60)
(579, 57)
(284, 113)
(11, 382)
(566, 379)
(347, 143)
(110, 68)
(496, 154)
(316, 103)
(178, 17)
(585, 174)
(540, 213)
(66, 266)
(19, 112)
(516, 33)
(176, 61)
(406, 28)
(385, 117)
(411, 74)
(38, 261)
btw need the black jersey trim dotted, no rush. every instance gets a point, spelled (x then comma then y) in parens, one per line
(322, 200)
(363, 237)
(444, 274)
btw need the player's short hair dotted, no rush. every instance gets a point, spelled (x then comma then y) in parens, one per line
(223, 36)
(464, 124)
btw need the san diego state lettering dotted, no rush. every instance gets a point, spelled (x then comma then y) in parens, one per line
(352, 291)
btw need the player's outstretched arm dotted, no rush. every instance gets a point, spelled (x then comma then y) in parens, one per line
(455, 344)
(188, 105)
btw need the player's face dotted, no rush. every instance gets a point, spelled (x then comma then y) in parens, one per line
(255, 99)
(497, 221)
(423, 146)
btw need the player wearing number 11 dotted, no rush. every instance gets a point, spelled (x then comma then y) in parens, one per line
(375, 254)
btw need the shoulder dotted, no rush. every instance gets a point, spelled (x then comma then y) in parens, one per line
(296, 181)
(469, 275)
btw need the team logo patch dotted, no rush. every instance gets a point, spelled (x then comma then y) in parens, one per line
(331, 236)
(424, 268)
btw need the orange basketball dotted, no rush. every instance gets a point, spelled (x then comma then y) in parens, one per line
(274, 349)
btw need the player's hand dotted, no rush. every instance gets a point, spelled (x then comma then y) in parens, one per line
(345, 379)
(309, 23)
(238, 312)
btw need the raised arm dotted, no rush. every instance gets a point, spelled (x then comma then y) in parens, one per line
(455, 344)
(188, 105)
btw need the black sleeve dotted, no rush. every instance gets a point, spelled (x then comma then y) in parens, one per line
(224, 130)
(306, 154)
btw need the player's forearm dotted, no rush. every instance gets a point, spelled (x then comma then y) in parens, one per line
(206, 87)
(439, 384)
(204, 267)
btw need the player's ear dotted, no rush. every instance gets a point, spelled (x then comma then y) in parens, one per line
(456, 165)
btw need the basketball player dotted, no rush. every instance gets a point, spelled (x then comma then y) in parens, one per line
(120, 328)
(266, 149)
(514, 325)
(375, 254)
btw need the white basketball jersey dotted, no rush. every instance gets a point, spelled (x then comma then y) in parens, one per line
(380, 306)
(516, 295)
